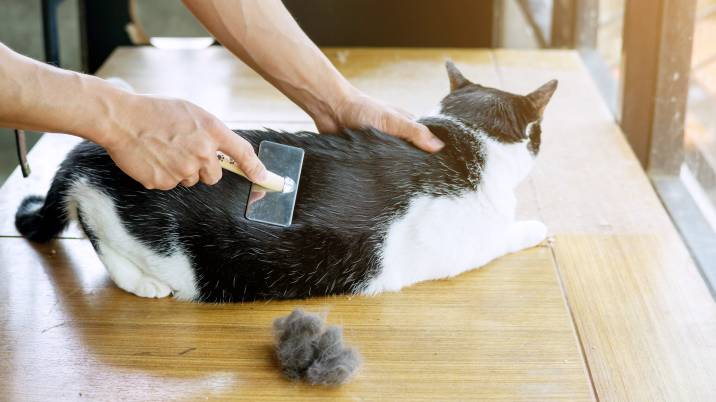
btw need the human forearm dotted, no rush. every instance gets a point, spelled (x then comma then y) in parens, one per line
(264, 35)
(40, 97)
(157, 141)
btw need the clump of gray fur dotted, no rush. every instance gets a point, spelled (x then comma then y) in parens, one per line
(306, 349)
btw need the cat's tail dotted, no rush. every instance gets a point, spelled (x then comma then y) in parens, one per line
(41, 218)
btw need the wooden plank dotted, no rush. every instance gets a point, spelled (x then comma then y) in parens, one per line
(214, 79)
(639, 72)
(563, 27)
(656, 60)
(500, 333)
(672, 87)
(645, 318)
(643, 314)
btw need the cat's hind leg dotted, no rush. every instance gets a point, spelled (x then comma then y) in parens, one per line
(120, 252)
(128, 276)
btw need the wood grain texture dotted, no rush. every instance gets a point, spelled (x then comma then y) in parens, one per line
(412, 78)
(44, 158)
(642, 310)
(647, 324)
(644, 318)
(499, 333)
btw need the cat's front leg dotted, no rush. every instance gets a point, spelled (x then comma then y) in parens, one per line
(519, 236)
(525, 234)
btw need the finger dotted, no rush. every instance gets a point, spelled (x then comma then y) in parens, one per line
(211, 173)
(243, 154)
(190, 181)
(255, 196)
(166, 177)
(416, 133)
(166, 184)
(425, 139)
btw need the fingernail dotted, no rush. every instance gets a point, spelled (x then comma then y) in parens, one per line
(273, 182)
(435, 144)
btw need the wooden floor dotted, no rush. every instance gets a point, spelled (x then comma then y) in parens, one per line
(611, 308)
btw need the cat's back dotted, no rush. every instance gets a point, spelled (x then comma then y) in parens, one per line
(353, 178)
(349, 182)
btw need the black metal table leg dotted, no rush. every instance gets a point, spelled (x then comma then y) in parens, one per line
(49, 31)
(21, 146)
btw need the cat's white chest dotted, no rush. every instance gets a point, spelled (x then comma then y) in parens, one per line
(440, 237)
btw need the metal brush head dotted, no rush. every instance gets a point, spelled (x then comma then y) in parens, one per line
(273, 207)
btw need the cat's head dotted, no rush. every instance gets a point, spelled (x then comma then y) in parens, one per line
(502, 116)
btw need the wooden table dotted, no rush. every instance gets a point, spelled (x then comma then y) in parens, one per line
(612, 308)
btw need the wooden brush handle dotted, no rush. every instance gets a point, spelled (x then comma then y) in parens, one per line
(273, 182)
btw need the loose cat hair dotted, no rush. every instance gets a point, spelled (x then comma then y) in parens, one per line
(373, 213)
(308, 349)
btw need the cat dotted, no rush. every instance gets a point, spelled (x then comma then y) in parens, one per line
(373, 213)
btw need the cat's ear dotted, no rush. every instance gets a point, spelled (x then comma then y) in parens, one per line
(457, 80)
(541, 96)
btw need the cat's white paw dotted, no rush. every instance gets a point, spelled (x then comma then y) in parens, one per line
(534, 233)
(151, 287)
(526, 234)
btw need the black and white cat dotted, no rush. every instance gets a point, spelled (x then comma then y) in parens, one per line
(373, 213)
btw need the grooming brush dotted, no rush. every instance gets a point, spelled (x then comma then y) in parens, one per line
(273, 200)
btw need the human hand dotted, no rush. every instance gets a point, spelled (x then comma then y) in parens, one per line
(161, 142)
(358, 110)
(296, 66)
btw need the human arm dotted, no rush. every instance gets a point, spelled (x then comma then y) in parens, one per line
(263, 34)
(158, 141)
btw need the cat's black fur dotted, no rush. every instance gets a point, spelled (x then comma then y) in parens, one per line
(353, 185)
